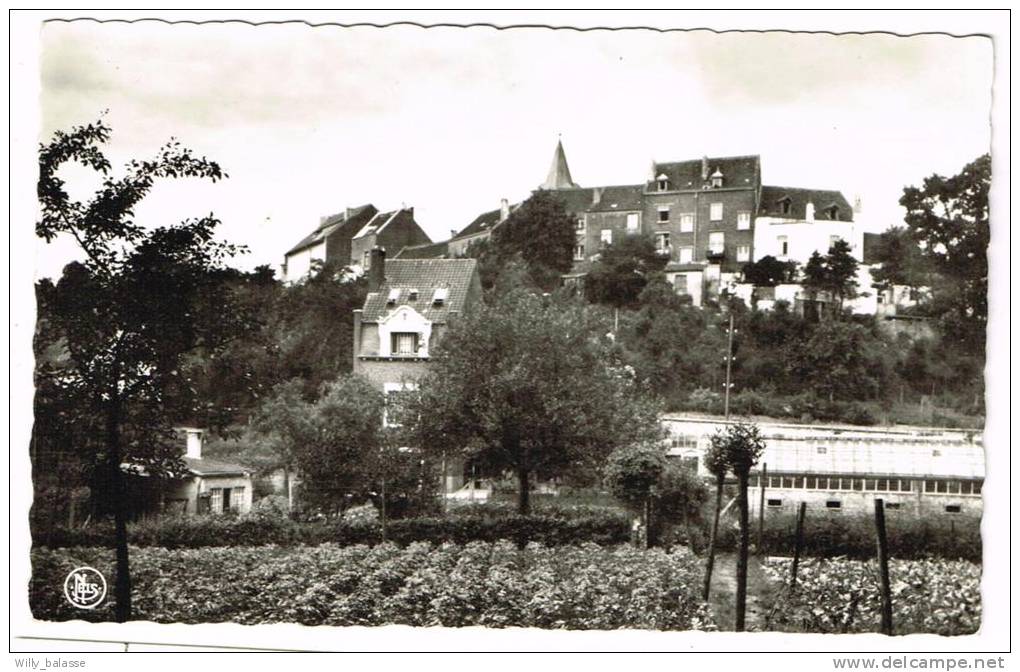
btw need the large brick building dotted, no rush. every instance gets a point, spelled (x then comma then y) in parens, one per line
(709, 216)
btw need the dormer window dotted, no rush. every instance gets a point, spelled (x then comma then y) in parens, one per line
(717, 179)
(439, 298)
(784, 206)
(393, 297)
(412, 295)
(663, 182)
(832, 212)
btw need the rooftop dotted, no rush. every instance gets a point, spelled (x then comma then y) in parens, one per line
(352, 217)
(425, 276)
(737, 172)
(771, 203)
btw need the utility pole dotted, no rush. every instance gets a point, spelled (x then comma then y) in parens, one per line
(729, 363)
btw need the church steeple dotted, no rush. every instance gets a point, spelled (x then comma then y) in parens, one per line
(559, 172)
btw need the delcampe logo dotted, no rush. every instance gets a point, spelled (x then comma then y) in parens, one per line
(85, 588)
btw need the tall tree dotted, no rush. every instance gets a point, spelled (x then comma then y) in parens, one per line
(742, 445)
(332, 441)
(835, 273)
(541, 234)
(632, 473)
(529, 385)
(899, 260)
(948, 216)
(127, 315)
(622, 271)
(838, 361)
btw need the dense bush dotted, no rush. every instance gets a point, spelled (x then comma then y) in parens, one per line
(840, 596)
(853, 536)
(494, 585)
(601, 527)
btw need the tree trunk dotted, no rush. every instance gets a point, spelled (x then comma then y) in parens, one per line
(382, 509)
(648, 522)
(523, 494)
(122, 582)
(287, 489)
(710, 563)
(742, 553)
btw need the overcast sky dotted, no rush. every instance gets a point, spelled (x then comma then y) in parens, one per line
(307, 121)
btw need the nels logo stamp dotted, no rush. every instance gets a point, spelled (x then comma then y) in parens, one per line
(85, 588)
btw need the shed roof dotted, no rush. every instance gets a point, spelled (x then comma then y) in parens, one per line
(203, 466)
(919, 460)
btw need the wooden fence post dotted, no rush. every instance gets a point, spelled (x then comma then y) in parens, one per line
(883, 567)
(798, 545)
(761, 507)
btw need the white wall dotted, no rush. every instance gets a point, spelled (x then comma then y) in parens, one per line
(300, 263)
(804, 237)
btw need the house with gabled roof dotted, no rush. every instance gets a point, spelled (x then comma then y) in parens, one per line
(330, 241)
(393, 230)
(206, 486)
(409, 306)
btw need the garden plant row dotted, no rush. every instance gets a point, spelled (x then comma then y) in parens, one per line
(487, 584)
(843, 596)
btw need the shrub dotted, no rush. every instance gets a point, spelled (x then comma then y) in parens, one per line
(853, 536)
(259, 528)
(705, 401)
(366, 514)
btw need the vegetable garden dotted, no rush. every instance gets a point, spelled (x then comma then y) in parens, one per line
(488, 584)
(500, 585)
(842, 596)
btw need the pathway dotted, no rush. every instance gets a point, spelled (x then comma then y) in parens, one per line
(724, 590)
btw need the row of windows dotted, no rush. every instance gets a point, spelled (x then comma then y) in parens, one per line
(835, 505)
(685, 254)
(686, 219)
(221, 500)
(715, 214)
(662, 182)
(830, 483)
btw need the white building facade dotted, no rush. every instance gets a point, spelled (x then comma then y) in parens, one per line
(917, 471)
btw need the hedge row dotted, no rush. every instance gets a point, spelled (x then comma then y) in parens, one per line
(196, 532)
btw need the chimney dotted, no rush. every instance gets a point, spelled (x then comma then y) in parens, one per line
(504, 209)
(858, 204)
(347, 214)
(376, 268)
(596, 195)
(194, 443)
(704, 168)
(453, 233)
